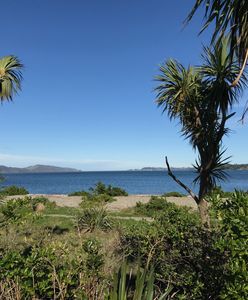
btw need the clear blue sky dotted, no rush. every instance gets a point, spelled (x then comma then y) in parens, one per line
(87, 99)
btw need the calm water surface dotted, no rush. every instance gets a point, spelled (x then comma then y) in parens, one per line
(149, 182)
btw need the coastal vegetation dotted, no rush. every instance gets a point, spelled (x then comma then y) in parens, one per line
(157, 249)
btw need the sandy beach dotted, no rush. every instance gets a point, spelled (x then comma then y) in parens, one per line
(122, 202)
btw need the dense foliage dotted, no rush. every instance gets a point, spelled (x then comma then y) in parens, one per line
(13, 190)
(176, 256)
(232, 214)
(198, 264)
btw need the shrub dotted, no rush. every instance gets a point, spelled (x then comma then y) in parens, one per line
(95, 260)
(156, 206)
(173, 194)
(182, 252)
(93, 218)
(232, 215)
(15, 210)
(20, 209)
(46, 273)
(80, 193)
(102, 198)
(101, 189)
(218, 191)
(13, 190)
(95, 200)
(34, 201)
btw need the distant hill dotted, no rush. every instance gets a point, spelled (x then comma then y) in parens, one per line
(37, 169)
(226, 167)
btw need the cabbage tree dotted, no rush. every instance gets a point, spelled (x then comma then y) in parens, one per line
(200, 98)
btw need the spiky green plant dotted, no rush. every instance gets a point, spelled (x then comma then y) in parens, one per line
(10, 77)
(93, 218)
(143, 289)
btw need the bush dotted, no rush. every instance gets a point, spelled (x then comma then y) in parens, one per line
(95, 200)
(51, 272)
(95, 260)
(182, 252)
(218, 191)
(101, 189)
(156, 206)
(20, 209)
(80, 193)
(93, 218)
(173, 194)
(232, 215)
(34, 201)
(14, 210)
(13, 190)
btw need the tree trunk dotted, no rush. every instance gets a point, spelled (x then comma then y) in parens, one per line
(202, 204)
(204, 213)
(200, 201)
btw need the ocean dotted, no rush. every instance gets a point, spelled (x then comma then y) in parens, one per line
(134, 182)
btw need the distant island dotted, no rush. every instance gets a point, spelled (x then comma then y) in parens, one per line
(161, 169)
(37, 169)
(226, 167)
(236, 166)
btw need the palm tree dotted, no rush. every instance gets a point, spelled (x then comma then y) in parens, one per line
(200, 97)
(10, 77)
(230, 17)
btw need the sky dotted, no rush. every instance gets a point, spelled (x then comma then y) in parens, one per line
(87, 98)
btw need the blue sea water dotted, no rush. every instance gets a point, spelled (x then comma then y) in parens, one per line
(134, 182)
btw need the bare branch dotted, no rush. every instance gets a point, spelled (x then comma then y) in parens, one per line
(192, 194)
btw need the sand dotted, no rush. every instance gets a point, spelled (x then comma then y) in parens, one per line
(122, 202)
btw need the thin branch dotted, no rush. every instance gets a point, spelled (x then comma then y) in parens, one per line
(236, 81)
(192, 194)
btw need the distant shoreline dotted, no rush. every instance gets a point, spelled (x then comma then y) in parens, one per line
(111, 171)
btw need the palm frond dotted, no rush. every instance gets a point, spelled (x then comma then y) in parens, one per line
(10, 77)
(230, 17)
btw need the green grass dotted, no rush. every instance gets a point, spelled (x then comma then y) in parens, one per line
(47, 221)
(57, 210)
(128, 212)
